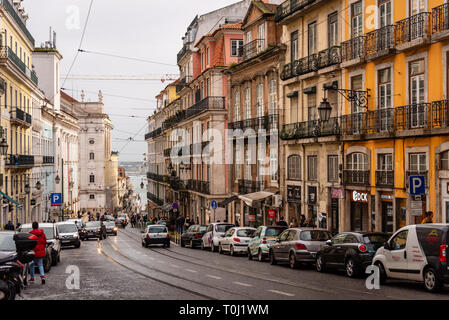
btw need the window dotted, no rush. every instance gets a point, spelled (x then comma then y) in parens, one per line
(356, 19)
(311, 107)
(332, 168)
(417, 70)
(261, 37)
(294, 46)
(399, 241)
(274, 164)
(92, 178)
(248, 173)
(384, 13)
(384, 76)
(417, 6)
(236, 47)
(238, 157)
(91, 141)
(207, 56)
(385, 162)
(418, 162)
(294, 167)
(272, 97)
(357, 162)
(237, 106)
(91, 156)
(248, 103)
(260, 102)
(339, 238)
(332, 29)
(92, 196)
(445, 160)
(357, 84)
(249, 37)
(311, 34)
(312, 162)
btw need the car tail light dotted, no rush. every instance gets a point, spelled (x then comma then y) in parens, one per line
(301, 246)
(236, 239)
(148, 236)
(197, 235)
(443, 257)
(362, 248)
(264, 240)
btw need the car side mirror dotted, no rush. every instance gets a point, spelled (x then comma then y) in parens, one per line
(386, 246)
(278, 239)
(329, 242)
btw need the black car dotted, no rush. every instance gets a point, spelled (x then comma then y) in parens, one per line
(193, 235)
(111, 228)
(94, 229)
(351, 251)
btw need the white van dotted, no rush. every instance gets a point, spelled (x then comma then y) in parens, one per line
(416, 253)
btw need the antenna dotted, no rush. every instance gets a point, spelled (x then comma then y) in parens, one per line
(54, 39)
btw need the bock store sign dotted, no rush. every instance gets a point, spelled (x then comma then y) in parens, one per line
(359, 196)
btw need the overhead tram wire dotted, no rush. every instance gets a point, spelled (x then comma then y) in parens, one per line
(127, 143)
(127, 58)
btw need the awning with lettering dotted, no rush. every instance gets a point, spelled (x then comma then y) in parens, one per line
(167, 207)
(251, 198)
(11, 199)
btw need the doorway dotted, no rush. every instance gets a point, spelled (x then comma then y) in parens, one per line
(359, 212)
(387, 216)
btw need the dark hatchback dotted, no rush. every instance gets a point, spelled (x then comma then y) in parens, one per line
(94, 229)
(193, 235)
(351, 251)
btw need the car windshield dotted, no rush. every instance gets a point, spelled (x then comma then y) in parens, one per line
(273, 232)
(375, 238)
(315, 235)
(157, 230)
(93, 224)
(49, 231)
(223, 227)
(245, 233)
(109, 224)
(67, 228)
(202, 229)
(7, 242)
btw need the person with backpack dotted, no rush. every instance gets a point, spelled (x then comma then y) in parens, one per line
(39, 252)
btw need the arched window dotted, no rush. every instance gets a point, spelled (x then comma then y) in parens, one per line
(357, 162)
(92, 156)
(294, 167)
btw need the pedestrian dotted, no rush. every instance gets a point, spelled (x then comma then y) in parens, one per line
(18, 225)
(302, 220)
(9, 226)
(428, 217)
(282, 223)
(39, 252)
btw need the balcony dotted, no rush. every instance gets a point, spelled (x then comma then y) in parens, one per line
(253, 48)
(23, 161)
(170, 122)
(290, 7)
(310, 129)
(440, 22)
(249, 186)
(183, 52)
(379, 43)
(385, 178)
(157, 177)
(312, 63)
(198, 186)
(20, 117)
(48, 160)
(209, 103)
(409, 173)
(7, 53)
(155, 199)
(267, 123)
(20, 23)
(183, 83)
(153, 134)
(356, 177)
(412, 31)
(353, 51)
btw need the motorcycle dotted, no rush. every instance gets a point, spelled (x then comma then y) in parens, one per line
(14, 266)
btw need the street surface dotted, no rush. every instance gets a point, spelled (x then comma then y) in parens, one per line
(120, 268)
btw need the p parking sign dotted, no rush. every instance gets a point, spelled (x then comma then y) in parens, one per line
(417, 185)
(56, 199)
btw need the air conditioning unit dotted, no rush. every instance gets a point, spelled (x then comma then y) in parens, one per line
(277, 201)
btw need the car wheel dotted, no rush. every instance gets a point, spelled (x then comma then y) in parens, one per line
(293, 263)
(382, 273)
(78, 245)
(220, 249)
(351, 268)
(250, 256)
(143, 244)
(431, 281)
(168, 244)
(320, 264)
(182, 244)
(54, 261)
(231, 251)
(212, 247)
(47, 266)
(260, 256)
(273, 260)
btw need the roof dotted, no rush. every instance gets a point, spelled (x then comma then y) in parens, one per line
(231, 26)
(65, 96)
(265, 8)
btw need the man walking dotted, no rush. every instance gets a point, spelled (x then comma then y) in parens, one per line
(282, 223)
(39, 252)
(9, 226)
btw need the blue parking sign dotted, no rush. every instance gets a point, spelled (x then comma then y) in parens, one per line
(417, 185)
(56, 199)
(214, 204)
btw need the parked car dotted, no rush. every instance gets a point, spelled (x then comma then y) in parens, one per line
(156, 234)
(78, 222)
(111, 228)
(416, 253)
(298, 245)
(236, 240)
(262, 238)
(53, 242)
(69, 235)
(193, 236)
(213, 233)
(108, 217)
(94, 229)
(352, 251)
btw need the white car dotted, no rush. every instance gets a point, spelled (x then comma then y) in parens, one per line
(69, 234)
(236, 240)
(156, 234)
(416, 253)
(213, 233)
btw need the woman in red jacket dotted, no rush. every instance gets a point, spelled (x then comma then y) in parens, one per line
(39, 252)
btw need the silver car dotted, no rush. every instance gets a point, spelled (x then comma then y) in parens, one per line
(236, 240)
(298, 245)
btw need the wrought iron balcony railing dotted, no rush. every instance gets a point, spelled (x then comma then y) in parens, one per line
(353, 48)
(379, 40)
(170, 122)
(10, 9)
(21, 116)
(209, 103)
(289, 7)
(157, 177)
(356, 177)
(8, 53)
(253, 48)
(269, 122)
(440, 18)
(249, 186)
(310, 129)
(412, 28)
(385, 178)
(48, 159)
(199, 186)
(183, 83)
(19, 160)
(155, 199)
(153, 134)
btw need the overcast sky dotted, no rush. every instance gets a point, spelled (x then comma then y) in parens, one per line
(144, 29)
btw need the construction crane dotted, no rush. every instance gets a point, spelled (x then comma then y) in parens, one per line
(166, 77)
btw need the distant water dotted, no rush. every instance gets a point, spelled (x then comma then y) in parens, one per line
(136, 180)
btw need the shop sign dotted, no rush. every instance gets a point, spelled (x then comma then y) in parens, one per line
(416, 208)
(386, 197)
(338, 193)
(359, 196)
(271, 213)
(294, 194)
(252, 218)
(312, 195)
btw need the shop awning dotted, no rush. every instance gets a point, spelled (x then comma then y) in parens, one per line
(167, 207)
(227, 201)
(11, 199)
(250, 198)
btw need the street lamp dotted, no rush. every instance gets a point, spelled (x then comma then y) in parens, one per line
(57, 179)
(38, 185)
(27, 188)
(324, 110)
(142, 185)
(3, 147)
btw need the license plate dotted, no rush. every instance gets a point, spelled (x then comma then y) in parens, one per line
(313, 254)
(65, 241)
